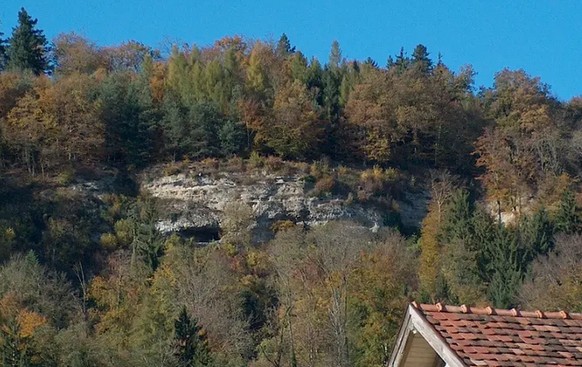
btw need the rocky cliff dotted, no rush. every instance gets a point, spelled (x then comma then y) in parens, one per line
(195, 203)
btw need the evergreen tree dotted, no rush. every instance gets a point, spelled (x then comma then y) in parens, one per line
(27, 48)
(402, 62)
(298, 67)
(536, 235)
(459, 217)
(190, 341)
(176, 132)
(420, 60)
(232, 138)
(147, 244)
(567, 219)
(505, 268)
(331, 87)
(314, 80)
(2, 52)
(13, 351)
(205, 123)
(390, 62)
(335, 56)
(129, 118)
(284, 47)
(369, 62)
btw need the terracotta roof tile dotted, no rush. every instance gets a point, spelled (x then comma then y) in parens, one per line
(496, 337)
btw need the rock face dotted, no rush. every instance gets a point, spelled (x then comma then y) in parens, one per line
(194, 203)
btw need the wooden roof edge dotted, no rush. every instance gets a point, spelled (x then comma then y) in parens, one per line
(416, 321)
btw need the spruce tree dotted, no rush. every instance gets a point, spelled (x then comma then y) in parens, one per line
(2, 52)
(567, 219)
(190, 342)
(420, 60)
(27, 49)
(505, 267)
(284, 47)
(335, 56)
(402, 62)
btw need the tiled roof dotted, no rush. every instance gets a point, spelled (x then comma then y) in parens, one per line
(497, 337)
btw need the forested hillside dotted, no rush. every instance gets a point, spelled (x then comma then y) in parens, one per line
(90, 280)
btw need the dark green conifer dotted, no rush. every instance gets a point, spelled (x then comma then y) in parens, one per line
(190, 342)
(420, 60)
(27, 48)
(567, 219)
(284, 47)
(2, 52)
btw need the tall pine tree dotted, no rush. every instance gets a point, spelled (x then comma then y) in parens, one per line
(27, 49)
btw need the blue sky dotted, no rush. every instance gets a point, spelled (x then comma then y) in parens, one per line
(540, 36)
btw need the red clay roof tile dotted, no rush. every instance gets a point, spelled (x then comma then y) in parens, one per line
(496, 337)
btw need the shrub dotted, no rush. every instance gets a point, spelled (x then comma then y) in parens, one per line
(392, 175)
(274, 163)
(236, 164)
(302, 167)
(255, 160)
(282, 225)
(343, 171)
(108, 241)
(319, 168)
(325, 185)
(211, 164)
(65, 177)
(172, 169)
(308, 179)
(374, 181)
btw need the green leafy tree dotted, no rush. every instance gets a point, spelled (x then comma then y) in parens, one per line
(27, 48)
(296, 127)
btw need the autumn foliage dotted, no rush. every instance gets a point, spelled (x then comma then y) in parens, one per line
(478, 193)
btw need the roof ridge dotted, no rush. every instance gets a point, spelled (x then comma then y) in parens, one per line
(441, 307)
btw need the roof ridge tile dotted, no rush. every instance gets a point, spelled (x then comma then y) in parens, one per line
(464, 309)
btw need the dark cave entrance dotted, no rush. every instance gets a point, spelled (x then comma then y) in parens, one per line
(201, 235)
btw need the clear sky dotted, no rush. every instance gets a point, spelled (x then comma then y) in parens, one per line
(542, 37)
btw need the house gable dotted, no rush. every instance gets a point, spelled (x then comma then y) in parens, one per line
(419, 345)
(464, 336)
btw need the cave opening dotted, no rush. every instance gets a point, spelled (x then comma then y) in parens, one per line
(201, 235)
